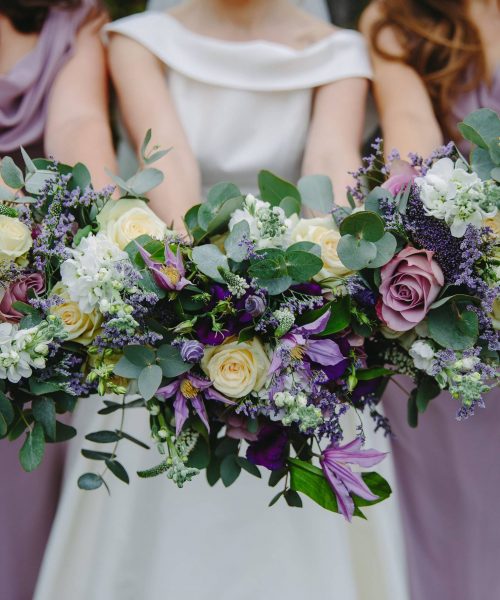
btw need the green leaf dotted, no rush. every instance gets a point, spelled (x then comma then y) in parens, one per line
(144, 181)
(103, 437)
(481, 127)
(302, 266)
(6, 409)
(428, 388)
(4, 426)
(317, 192)
(149, 381)
(81, 177)
(276, 498)
(272, 267)
(199, 457)
(495, 174)
(40, 388)
(372, 201)
(277, 476)
(365, 225)
(11, 173)
(191, 222)
(30, 165)
(451, 328)
(130, 438)
(373, 373)
(7, 195)
(412, 409)
(273, 189)
(305, 247)
(229, 470)
(208, 258)
(44, 412)
(170, 361)
(96, 455)
(127, 369)
(36, 182)
(90, 481)
(118, 470)
(340, 316)
(291, 206)
(223, 199)
(81, 234)
(354, 253)
(139, 355)
(275, 286)
(248, 466)
(213, 472)
(386, 247)
(32, 451)
(227, 446)
(481, 163)
(235, 249)
(377, 485)
(293, 499)
(64, 432)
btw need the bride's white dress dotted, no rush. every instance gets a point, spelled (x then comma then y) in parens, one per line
(244, 106)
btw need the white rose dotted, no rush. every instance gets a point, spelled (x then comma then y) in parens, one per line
(126, 219)
(15, 238)
(236, 369)
(322, 231)
(423, 355)
(79, 326)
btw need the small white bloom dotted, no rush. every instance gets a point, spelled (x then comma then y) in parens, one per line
(423, 355)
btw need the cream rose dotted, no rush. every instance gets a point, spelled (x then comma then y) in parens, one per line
(79, 326)
(236, 369)
(124, 220)
(322, 231)
(15, 238)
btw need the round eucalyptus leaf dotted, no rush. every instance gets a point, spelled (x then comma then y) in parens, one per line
(452, 327)
(386, 247)
(366, 225)
(356, 254)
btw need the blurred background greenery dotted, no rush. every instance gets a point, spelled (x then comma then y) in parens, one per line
(122, 8)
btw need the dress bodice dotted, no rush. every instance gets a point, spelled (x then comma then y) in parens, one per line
(244, 105)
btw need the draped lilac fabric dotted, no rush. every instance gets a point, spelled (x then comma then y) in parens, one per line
(448, 476)
(25, 90)
(28, 500)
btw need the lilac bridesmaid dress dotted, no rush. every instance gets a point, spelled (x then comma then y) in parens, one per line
(28, 500)
(448, 474)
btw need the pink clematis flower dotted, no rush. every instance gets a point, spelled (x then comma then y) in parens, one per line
(190, 388)
(334, 462)
(171, 275)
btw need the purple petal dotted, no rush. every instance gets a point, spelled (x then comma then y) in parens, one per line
(315, 327)
(352, 481)
(146, 256)
(324, 352)
(344, 500)
(199, 382)
(181, 412)
(212, 394)
(352, 453)
(169, 390)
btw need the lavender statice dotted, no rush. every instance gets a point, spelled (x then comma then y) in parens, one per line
(359, 292)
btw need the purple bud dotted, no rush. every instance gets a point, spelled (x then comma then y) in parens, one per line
(255, 306)
(192, 351)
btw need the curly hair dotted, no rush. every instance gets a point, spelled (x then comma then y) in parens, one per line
(440, 41)
(28, 16)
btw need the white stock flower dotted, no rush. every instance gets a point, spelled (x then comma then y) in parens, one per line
(90, 275)
(422, 354)
(450, 193)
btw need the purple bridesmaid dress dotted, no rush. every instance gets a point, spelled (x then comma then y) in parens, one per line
(448, 473)
(28, 500)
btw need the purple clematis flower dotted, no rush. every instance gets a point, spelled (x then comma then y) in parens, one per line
(171, 275)
(342, 480)
(298, 342)
(270, 449)
(190, 388)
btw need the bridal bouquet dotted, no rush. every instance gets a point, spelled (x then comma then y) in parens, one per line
(243, 340)
(426, 249)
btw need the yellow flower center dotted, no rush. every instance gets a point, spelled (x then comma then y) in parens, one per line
(172, 273)
(188, 390)
(297, 352)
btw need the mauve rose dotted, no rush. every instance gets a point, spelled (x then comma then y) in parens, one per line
(18, 292)
(401, 175)
(237, 428)
(410, 283)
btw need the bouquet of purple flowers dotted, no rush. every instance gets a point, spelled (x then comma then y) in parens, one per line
(241, 341)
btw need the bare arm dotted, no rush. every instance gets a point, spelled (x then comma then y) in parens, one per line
(335, 133)
(78, 123)
(146, 103)
(406, 113)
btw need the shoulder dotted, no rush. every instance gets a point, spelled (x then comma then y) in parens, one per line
(374, 22)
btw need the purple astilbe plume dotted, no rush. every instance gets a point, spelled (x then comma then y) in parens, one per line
(270, 450)
(190, 389)
(342, 480)
(298, 343)
(171, 275)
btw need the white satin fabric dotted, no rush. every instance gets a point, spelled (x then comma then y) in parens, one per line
(244, 106)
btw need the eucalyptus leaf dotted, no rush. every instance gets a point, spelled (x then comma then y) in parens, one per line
(118, 470)
(149, 381)
(81, 177)
(453, 327)
(427, 389)
(7, 195)
(144, 181)
(481, 127)
(386, 248)
(248, 466)
(208, 258)
(291, 206)
(234, 246)
(33, 449)
(90, 481)
(273, 189)
(305, 247)
(275, 286)
(356, 254)
(139, 355)
(481, 163)
(103, 437)
(11, 173)
(170, 361)
(30, 165)
(125, 368)
(36, 182)
(365, 225)
(211, 217)
(44, 412)
(317, 192)
(6, 409)
(302, 266)
(229, 470)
